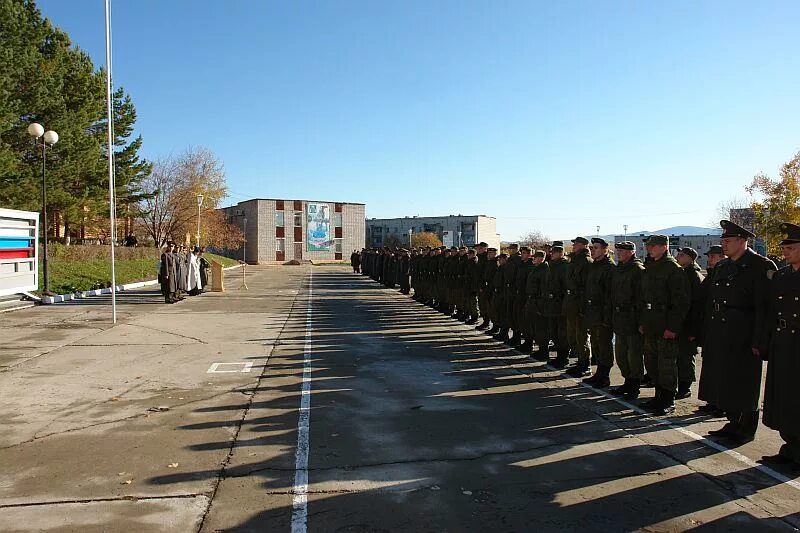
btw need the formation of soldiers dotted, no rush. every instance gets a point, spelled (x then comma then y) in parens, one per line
(650, 317)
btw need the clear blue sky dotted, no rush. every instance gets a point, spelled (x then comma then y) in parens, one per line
(558, 116)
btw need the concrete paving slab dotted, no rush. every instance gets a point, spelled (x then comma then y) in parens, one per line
(165, 515)
(417, 423)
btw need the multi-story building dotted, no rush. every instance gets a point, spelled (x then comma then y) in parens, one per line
(282, 230)
(453, 230)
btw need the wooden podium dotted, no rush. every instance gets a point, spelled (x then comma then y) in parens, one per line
(217, 277)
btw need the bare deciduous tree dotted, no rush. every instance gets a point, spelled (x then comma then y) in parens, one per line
(172, 211)
(534, 239)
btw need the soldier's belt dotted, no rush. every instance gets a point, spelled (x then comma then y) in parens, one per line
(656, 307)
(722, 306)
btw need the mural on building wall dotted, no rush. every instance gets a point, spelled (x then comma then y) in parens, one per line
(318, 226)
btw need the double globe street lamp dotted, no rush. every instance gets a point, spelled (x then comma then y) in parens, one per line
(48, 137)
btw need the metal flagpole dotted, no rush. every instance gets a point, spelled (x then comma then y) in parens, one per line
(111, 199)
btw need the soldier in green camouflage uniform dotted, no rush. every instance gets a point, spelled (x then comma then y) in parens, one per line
(626, 288)
(598, 312)
(692, 325)
(487, 291)
(510, 290)
(472, 277)
(536, 322)
(459, 295)
(554, 292)
(499, 318)
(519, 316)
(574, 305)
(665, 304)
(481, 251)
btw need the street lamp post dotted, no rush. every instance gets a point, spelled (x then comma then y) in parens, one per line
(625, 227)
(199, 205)
(50, 137)
(410, 232)
(244, 257)
(598, 231)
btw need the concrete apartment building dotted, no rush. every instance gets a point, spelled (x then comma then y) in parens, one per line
(282, 230)
(453, 230)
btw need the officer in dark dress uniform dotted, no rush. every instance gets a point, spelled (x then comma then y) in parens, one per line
(781, 400)
(735, 336)
(714, 255)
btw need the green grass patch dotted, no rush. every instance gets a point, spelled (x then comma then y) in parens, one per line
(84, 268)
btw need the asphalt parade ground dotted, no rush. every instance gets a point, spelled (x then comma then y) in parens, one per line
(317, 401)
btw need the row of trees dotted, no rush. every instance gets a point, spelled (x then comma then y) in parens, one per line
(45, 79)
(777, 200)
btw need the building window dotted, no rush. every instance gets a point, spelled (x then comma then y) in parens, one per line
(298, 220)
(279, 219)
(338, 248)
(280, 245)
(337, 220)
(298, 205)
(279, 205)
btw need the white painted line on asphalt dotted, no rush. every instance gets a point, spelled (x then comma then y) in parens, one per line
(214, 368)
(300, 499)
(694, 436)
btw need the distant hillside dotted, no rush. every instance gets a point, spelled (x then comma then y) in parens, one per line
(681, 230)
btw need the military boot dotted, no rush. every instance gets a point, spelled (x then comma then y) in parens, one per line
(652, 402)
(623, 389)
(495, 329)
(633, 390)
(542, 353)
(515, 339)
(483, 325)
(684, 390)
(471, 321)
(561, 361)
(526, 346)
(748, 424)
(502, 335)
(600, 378)
(578, 371)
(666, 405)
(647, 382)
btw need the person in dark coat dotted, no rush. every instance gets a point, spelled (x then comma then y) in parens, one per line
(168, 275)
(687, 341)
(735, 338)
(355, 261)
(204, 267)
(781, 401)
(714, 255)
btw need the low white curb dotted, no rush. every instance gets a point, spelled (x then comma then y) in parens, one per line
(47, 300)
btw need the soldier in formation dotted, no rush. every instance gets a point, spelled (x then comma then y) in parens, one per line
(650, 317)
